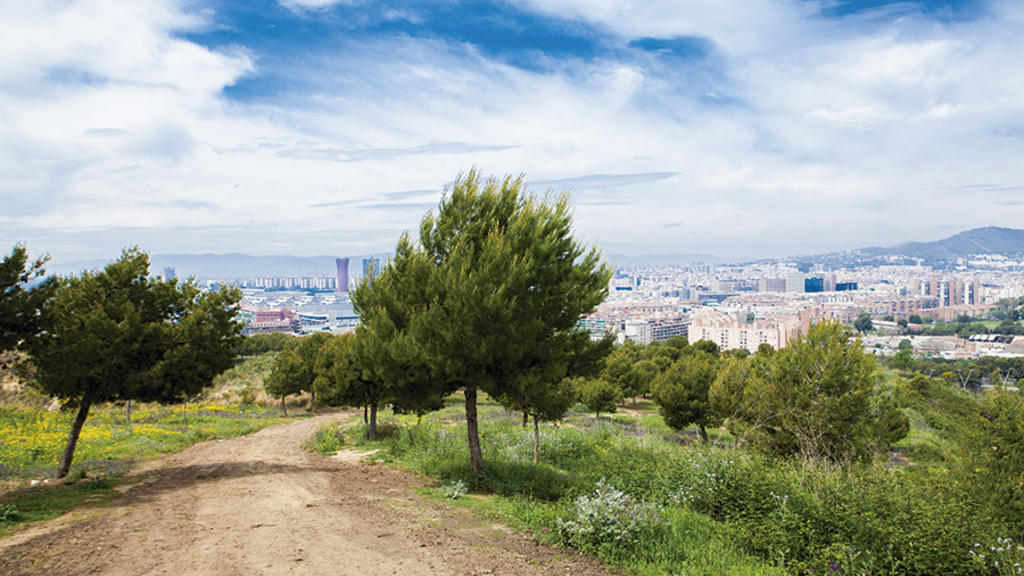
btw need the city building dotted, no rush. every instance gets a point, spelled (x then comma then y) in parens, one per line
(270, 320)
(341, 283)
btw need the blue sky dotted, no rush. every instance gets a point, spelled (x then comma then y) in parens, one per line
(740, 128)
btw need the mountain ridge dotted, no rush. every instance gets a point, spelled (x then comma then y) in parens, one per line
(990, 240)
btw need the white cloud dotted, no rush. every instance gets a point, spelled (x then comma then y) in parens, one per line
(820, 135)
(300, 5)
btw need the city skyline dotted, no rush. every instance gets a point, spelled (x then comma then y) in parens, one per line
(736, 129)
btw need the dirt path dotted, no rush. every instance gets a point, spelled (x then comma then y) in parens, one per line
(262, 505)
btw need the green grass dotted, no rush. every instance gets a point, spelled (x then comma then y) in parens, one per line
(328, 440)
(31, 440)
(46, 502)
(722, 509)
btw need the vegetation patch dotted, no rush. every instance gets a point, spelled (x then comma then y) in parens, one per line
(44, 502)
(328, 440)
(652, 505)
(31, 440)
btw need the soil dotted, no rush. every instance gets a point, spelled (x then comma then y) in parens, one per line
(260, 504)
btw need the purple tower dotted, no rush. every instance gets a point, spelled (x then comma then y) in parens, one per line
(342, 274)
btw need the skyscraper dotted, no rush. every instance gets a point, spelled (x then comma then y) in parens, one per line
(371, 267)
(342, 264)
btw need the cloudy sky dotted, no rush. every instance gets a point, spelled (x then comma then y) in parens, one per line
(729, 127)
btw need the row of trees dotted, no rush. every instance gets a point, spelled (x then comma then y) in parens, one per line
(114, 334)
(819, 398)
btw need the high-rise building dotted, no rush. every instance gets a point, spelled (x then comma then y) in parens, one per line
(342, 264)
(795, 282)
(812, 284)
(169, 273)
(771, 285)
(371, 267)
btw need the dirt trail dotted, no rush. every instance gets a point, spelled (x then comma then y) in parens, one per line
(260, 504)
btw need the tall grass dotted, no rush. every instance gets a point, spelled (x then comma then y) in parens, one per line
(721, 509)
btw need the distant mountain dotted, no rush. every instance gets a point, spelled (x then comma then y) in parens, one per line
(229, 266)
(991, 240)
(1008, 242)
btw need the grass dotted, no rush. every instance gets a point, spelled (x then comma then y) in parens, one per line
(45, 502)
(328, 440)
(31, 440)
(721, 509)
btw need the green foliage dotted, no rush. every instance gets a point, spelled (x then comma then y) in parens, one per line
(47, 502)
(607, 518)
(720, 510)
(815, 399)
(294, 369)
(8, 513)
(454, 490)
(387, 362)
(942, 418)
(706, 346)
(489, 300)
(725, 394)
(33, 438)
(863, 323)
(117, 334)
(997, 462)
(328, 440)
(682, 391)
(619, 369)
(903, 360)
(20, 304)
(259, 344)
(598, 394)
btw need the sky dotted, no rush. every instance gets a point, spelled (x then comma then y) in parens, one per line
(739, 128)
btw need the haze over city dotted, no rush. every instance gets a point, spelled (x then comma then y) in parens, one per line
(734, 128)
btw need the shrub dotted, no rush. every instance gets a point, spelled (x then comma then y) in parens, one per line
(606, 517)
(8, 513)
(328, 440)
(454, 490)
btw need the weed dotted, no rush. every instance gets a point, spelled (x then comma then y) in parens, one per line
(607, 517)
(454, 490)
(8, 513)
(328, 440)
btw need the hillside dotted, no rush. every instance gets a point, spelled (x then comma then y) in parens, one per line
(991, 240)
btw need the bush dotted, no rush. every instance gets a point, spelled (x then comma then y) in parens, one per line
(8, 513)
(607, 518)
(454, 490)
(328, 440)
(599, 395)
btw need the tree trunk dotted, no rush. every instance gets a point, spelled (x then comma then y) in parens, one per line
(476, 459)
(526, 418)
(366, 414)
(128, 412)
(284, 408)
(69, 448)
(312, 401)
(703, 433)
(371, 432)
(536, 441)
